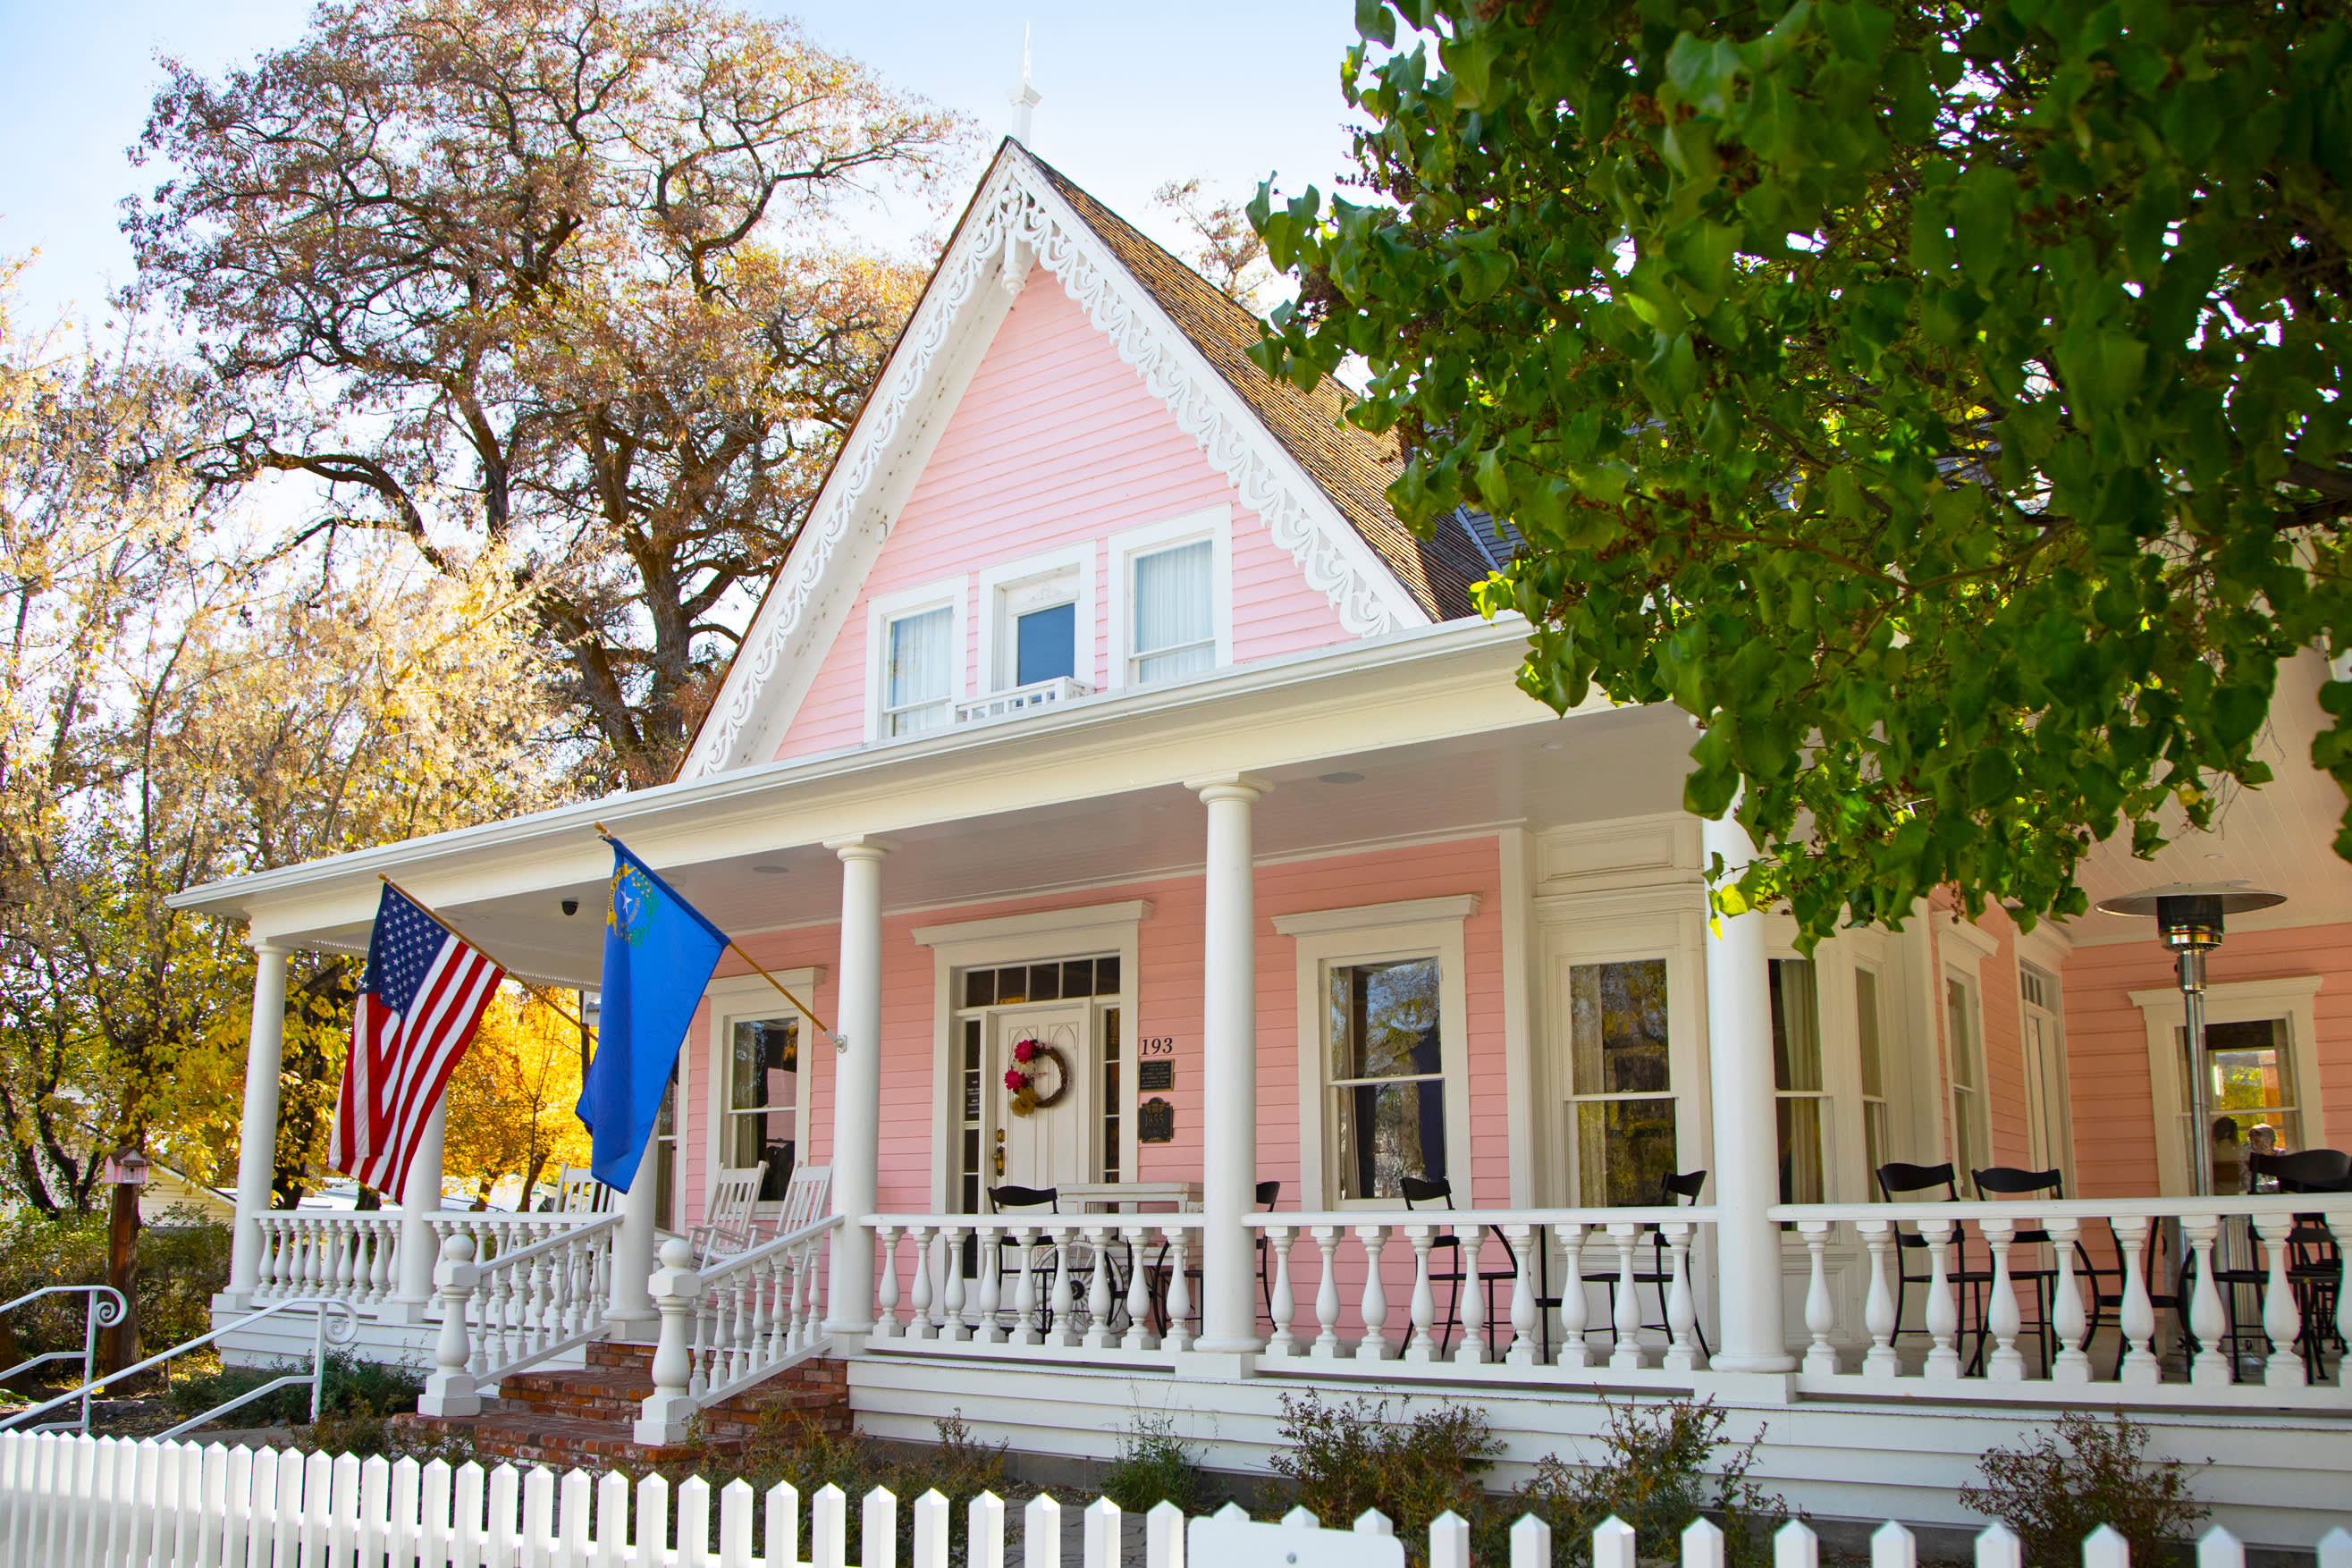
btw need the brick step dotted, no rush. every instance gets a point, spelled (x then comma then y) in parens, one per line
(609, 1394)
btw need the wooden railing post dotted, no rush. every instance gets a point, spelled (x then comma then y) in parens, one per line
(450, 1390)
(676, 1290)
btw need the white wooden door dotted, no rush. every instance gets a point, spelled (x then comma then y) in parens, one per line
(1051, 1146)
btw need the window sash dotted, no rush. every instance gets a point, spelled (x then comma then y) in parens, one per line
(919, 671)
(1173, 593)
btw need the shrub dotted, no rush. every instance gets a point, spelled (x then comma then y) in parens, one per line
(1653, 1475)
(787, 1446)
(182, 1261)
(2055, 1492)
(1155, 1466)
(1345, 1459)
(349, 1388)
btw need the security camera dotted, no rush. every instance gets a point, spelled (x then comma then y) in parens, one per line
(570, 906)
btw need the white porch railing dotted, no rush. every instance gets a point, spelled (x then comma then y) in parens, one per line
(734, 1323)
(520, 1307)
(1590, 1271)
(1021, 699)
(351, 1257)
(1957, 1329)
(1044, 1286)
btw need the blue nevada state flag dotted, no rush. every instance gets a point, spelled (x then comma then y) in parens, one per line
(658, 956)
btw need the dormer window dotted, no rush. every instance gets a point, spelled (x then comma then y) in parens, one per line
(1046, 644)
(1172, 603)
(1037, 623)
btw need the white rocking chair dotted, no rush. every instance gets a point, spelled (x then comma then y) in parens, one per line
(577, 1190)
(806, 1198)
(728, 1225)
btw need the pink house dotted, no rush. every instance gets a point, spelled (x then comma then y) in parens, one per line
(1104, 727)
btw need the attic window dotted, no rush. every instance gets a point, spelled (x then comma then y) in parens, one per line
(919, 684)
(1175, 616)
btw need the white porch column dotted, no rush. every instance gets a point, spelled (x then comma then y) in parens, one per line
(1229, 1070)
(630, 1309)
(1747, 1177)
(856, 1085)
(257, 1147)
(419, 1251)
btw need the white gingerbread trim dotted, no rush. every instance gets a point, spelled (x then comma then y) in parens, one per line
(1018, 220)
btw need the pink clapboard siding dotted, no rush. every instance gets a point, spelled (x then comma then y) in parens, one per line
(1168, 1002)
(2106, 1041)
(1056, 442)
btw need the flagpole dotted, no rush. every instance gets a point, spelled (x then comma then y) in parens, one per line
(736, 948)
(545, 999)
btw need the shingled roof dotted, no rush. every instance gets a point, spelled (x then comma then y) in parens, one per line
(1353, 466)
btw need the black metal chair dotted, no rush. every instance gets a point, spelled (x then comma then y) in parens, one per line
(1968, 1286)
(2006, 1181)
(1041, 1253)
(1679, 1189)
(2315, 1268)
(1265, 1194)
(1418, 1190)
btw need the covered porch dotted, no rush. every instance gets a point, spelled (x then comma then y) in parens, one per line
(1394, 923)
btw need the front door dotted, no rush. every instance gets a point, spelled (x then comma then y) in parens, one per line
(1048, 1147)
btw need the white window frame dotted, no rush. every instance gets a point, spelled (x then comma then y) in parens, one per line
(1380, 933)
(2294, 998)
(1025, 939)
(1212, 523)
(1001, 588)
(1964, 947)
(737, 999)
(954, 593)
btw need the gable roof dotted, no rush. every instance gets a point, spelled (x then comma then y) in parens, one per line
(1353, 466)
(1315, 483)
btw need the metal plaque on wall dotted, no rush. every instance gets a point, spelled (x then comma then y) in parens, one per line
(1150, 1076)
(1155, 1121)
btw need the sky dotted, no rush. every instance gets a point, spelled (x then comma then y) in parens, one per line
(1134, 95)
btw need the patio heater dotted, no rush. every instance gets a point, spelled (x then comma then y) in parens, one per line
(2189, 918)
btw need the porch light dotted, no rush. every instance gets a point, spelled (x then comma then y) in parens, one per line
(2189, 920)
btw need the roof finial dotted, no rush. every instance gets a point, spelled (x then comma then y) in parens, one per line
(1023, 98)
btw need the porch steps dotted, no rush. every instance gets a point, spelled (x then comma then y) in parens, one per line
(585, 1416)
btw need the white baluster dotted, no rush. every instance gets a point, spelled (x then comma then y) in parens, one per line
(953, 1299)
(2067, 1319)
(1063, 1332)
(920, 1326)
(1139, 1336)
(2281, 1319)
(1472, 1351)
(2207, 1320)
(1682, 1310)
(1024, 1294)
(1625, 1322)
(1179, 1291)
(1278, 1239)
(450, 1391)
(1100, 1334)
(1422, 1311)
(2000, 1316)
(1573, 1351)
(1821, 1317)
(886, 1292)
(984, 1251)
(2137, 1318)
(1526, 1240)
(1943, 1308)
(1375, 1345)
(1327, 1293)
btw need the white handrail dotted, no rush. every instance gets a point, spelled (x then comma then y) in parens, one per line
(98, 1313)
(723, 1330)
(1700, 1214)
(2066, 1208)
(349, 1332)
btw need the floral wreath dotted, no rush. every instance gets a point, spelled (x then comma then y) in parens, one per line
(1027, 1096)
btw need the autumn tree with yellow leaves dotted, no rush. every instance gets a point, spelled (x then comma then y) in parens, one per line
(511, 1100)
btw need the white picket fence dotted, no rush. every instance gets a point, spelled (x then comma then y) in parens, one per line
(71, 1501)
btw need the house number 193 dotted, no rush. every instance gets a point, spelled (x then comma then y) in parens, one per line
(1156, 1045)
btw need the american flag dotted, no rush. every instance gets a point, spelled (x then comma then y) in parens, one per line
(424, 997)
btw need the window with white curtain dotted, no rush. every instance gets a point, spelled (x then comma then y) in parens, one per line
(1175, 628)
(918, 677)
(1799, 1100)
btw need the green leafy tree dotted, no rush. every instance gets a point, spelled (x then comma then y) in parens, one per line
(1941, 403)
